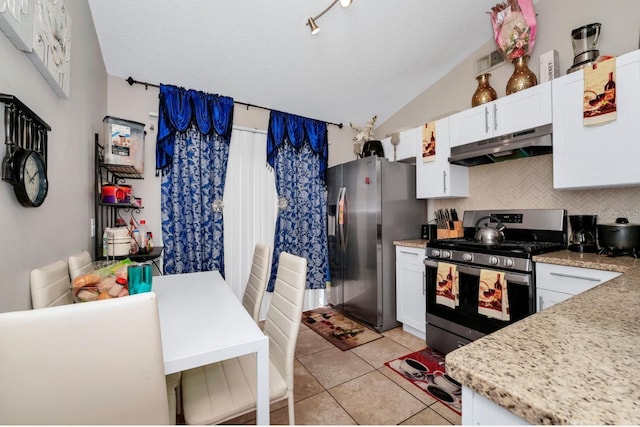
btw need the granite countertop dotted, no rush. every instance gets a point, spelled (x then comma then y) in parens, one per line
(577, 362)
(415, 243)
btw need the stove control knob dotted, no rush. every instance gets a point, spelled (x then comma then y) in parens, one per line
(467, 256)
(446, 254)
(508, 262)
(435, 253)
(493, 260)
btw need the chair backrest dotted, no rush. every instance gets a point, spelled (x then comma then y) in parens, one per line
(285, 313)
(92, 363)
(50, 285)
(258, 278)
(80, 264)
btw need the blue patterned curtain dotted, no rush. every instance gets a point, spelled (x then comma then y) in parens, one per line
(297, 149)
(192, 148)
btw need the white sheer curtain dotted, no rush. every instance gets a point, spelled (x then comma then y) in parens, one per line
(250, 209)
(250, 204)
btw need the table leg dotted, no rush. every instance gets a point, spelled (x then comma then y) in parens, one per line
(262, 392)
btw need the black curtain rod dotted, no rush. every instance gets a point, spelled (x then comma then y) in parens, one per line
(131, 82)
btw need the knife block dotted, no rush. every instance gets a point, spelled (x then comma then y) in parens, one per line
(451, 233)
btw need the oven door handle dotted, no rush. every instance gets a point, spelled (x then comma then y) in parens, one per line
(513, 278)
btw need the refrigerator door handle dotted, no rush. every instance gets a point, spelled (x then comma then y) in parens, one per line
(342, 213)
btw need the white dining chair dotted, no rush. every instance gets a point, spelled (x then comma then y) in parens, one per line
(91, 363)
(80, 264)
(221, 391)
(258, 279)
(50, 285)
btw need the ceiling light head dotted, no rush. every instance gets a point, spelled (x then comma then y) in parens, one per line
(345, 3)
(312, 24)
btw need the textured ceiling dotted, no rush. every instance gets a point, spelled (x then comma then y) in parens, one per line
(371, 58)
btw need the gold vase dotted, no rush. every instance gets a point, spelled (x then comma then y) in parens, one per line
(522, 77)
(484, 93)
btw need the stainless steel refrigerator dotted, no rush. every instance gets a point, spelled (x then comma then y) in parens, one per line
(371, 203)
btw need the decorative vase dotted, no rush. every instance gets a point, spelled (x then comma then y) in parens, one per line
(522, 77)
(484, 93)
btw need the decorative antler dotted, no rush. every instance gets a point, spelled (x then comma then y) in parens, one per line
(365, 133)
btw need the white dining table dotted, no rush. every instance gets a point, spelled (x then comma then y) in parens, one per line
(202, 321)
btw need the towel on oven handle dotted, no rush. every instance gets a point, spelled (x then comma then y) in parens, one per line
(493, 300)
(447, 287)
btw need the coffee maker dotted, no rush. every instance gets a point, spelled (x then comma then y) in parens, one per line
(585, 46)
(583, 233)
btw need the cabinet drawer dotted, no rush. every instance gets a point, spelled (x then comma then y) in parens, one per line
(570, 280)
(409, 255)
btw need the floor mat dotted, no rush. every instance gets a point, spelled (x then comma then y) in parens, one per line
(425, 369)
(337, 328)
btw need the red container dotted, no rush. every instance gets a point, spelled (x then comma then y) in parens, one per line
(110, 193)
(124, 196)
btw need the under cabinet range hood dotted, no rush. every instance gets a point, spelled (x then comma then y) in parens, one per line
(528, 143)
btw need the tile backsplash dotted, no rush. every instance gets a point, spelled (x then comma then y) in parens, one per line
(528, 184)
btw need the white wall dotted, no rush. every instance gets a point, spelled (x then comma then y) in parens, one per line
(33, 237)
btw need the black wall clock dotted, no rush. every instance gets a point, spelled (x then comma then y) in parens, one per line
(24, 164)
(31, 184)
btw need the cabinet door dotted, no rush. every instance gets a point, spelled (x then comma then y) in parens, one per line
(409, 140)
(410, 288)
(597, 156)
(516, 112)
(522, 110)
(478, 410)
(547, 298)
(438, 178)
(471, 125)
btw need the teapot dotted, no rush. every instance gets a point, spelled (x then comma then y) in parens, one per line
(489, 235)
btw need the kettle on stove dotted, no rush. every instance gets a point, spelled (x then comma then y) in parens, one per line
(489, 235)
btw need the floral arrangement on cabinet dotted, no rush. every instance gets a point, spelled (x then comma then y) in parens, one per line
(514, 28)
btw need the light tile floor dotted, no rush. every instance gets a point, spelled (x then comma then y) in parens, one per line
(335, 387)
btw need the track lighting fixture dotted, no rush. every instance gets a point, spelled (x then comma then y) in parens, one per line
(311, 22)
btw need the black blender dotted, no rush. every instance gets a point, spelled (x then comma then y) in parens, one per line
(583, 233)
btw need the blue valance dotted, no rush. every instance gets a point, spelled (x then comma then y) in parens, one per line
(179, 108)
(295, 129)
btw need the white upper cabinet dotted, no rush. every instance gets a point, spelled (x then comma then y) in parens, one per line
(388, 149)
(597, 156)
(439, 178)
(516, 112)
(405, 149)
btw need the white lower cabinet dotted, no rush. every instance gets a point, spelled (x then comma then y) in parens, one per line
(411, 300)
(478, 410)
(556, 283)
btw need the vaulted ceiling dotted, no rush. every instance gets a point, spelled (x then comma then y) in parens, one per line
(370, 58)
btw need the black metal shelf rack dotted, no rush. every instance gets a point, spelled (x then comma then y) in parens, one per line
(106, 214)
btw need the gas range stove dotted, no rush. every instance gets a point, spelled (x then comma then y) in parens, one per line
(527, 232)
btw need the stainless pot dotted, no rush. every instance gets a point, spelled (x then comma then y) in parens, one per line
(489, 235)
(622, 235)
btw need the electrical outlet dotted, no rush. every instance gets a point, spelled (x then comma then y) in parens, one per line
(93, 227)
